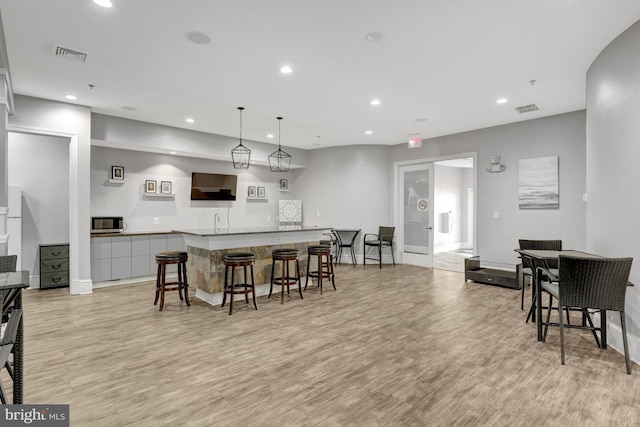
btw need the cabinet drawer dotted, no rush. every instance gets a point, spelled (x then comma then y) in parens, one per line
(60, 278)
(54, 252)
(54, 265)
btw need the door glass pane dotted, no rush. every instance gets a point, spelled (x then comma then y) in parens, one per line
(417, 208)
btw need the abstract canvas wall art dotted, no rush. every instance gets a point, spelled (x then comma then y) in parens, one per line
(538, 183)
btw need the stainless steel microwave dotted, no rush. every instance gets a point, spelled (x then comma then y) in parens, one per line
(107, 224)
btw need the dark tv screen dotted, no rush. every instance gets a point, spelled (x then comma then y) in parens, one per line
(213, 186)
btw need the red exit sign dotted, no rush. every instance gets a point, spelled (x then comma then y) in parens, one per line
(415, 142)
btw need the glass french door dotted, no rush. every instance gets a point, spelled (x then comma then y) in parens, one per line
(414, 204)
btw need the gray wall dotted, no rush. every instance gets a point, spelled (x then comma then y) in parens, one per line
(139, 212)
(45, 202)
(349, 187)
(561, 135)
(613, 152)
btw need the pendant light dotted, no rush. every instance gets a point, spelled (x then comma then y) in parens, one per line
(241, 154)
(279, 161)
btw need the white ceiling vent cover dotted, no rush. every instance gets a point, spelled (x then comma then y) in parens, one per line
(527, 108)
(73, 54)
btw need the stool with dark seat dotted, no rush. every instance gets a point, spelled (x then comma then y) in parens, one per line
(285, 279)
(166, 258)
(325, 266)
(233, 260)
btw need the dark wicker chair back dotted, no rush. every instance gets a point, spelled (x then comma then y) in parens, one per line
(597, 283)
(8, 263)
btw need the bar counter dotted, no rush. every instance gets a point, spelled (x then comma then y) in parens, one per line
(206, 247)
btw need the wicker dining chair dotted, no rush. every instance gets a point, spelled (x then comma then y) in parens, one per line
(592, 283)
(553, 245)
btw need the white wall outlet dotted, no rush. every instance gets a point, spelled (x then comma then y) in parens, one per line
(156, 221)
(496, 214)
(268, 218)
(317, 213)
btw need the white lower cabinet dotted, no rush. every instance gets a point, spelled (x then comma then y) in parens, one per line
(123, 257)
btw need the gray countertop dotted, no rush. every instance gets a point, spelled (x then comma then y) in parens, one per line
(247, 230)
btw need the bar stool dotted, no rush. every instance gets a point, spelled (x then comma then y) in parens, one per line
(166, 258)
(285, 279)
(325, 267)
(234, 260)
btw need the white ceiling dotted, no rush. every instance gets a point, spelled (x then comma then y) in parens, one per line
(446, 61)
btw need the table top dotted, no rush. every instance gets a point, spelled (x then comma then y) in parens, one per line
(14, 280)
(545, 254)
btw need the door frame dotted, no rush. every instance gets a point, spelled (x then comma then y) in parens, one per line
(398, 198)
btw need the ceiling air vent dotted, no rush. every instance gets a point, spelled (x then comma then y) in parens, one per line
(527, 108)
(65, 52)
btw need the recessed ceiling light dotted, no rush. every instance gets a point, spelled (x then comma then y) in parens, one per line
(129, 108)
(103, 3)
(189, 120)
(501, 100)
(285, 69)
(270, 135)
(172, 152)
(71, 97)
(368, 132)
(198, 38)
(373, 36)
(375, 102)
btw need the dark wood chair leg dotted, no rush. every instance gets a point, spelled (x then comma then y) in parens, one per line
(157, 285)
(299, 281)
(253, 289)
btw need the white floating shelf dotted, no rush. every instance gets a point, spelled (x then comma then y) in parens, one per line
(116, 181)
(160, 195)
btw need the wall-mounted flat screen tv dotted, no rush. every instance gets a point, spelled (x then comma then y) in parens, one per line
(213, 186)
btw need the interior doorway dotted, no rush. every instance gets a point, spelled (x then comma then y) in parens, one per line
(454, 207)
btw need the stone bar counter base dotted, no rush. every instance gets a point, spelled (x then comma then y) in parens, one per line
(206, 249)
(205, 268)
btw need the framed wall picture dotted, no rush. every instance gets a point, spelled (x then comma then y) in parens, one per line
(251, 192)
(165, 187)
(261, 192)
(117, 172)
(150, 186)
(284, 184)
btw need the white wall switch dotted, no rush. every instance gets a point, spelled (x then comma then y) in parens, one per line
(268, 218)
(496, 214)
(317, 213)
(584, 197)
(156, 221)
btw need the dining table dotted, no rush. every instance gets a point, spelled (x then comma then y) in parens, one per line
(539, 261)
(11, 286)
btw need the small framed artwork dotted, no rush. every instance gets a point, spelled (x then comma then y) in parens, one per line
(261, 192)
(150, 186)
(165, 187)
(252, 191)
(284, 184)
(117, 172)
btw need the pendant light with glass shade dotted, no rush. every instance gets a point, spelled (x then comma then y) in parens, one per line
(241, 154)
(279, 161)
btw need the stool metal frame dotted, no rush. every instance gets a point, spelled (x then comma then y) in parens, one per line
(238, 260)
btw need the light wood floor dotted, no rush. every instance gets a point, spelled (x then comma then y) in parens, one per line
(402, 346)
